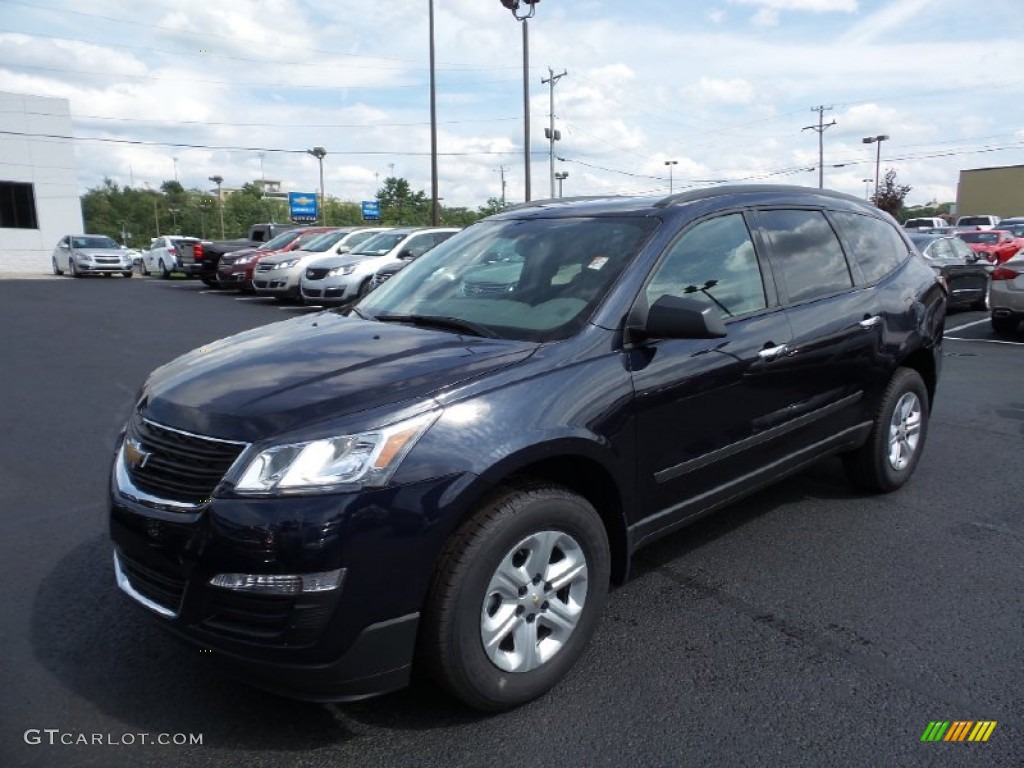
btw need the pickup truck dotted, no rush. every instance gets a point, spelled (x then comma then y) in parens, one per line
(213, 250)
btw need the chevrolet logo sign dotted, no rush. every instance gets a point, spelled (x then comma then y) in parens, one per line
(305, 200)
(134, 456)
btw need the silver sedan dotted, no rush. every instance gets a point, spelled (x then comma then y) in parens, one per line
(90, 254)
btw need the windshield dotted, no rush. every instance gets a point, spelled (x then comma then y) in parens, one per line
(280, 241)
(985, 238)
(97, 241)
(380, 244)
(324, 241)
(974, 221)
(537, 279)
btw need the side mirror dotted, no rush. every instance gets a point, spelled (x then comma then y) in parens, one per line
(675, 317)
(406, 255)
(343, 249)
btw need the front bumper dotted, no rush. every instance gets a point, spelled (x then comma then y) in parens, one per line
(329, 291)
(280, 282)
(240, 278)
(94, 268)
(351, 642)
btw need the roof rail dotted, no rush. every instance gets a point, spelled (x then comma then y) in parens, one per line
(556, 200)
(739, 189)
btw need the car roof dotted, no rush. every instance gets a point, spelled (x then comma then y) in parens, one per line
(743, 194)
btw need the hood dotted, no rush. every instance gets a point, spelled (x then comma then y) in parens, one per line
(299, 372)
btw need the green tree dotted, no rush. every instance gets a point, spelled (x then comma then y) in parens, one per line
(399, 205)
(890, 195)
(492, 206)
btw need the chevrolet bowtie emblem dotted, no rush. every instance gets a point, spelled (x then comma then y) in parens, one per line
(134, 456)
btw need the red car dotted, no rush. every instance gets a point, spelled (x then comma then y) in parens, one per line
(995, 245)
(236, 269)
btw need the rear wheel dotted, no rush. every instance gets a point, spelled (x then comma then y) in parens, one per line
(1004, 326)
(888, 458)
(209, 282)
(143, 269)
(517, 594)
(129, 273)
(165, 273)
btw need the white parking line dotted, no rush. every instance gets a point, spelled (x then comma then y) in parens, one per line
(966, 325)
(250, 298)
(985, 341)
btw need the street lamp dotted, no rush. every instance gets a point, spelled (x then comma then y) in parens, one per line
(670, 163)
(878, 157)
(867, 189)
(561, 176)
(531, 8)
(319, 153)
(218, 180)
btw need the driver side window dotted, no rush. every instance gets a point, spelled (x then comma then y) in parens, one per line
(713, 262)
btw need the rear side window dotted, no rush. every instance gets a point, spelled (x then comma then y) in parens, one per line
(806, 253)
(713, 262)
(877, 247)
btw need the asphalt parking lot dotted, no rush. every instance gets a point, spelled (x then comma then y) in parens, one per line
(806, 626)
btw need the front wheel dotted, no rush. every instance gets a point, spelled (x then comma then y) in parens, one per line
(888, 458)
(517, 594)
(73, 269)
(128, 273)
(56, 270)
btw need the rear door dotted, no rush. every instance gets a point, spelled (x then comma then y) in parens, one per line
(835, 313)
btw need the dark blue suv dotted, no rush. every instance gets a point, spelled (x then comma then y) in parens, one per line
(451, 473)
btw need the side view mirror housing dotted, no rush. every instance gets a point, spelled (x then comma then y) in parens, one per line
(675, 317)
(405, 255)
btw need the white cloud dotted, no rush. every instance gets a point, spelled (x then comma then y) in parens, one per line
(813, 6)
(733, 91)
(766, 17)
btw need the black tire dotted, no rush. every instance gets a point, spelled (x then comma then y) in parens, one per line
(526, 519)
(56, 270)
(72, 269)
(209, 282)
(364, 288)
(143, 269)
(165, 273)
(129, 273)
(1004, 326)
(887, 460)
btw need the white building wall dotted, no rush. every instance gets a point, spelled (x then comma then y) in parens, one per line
(46, 163)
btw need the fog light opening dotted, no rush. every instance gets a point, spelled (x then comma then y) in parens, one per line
(280, 584)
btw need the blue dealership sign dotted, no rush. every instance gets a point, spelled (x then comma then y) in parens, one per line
(302, 206)
(371, 210)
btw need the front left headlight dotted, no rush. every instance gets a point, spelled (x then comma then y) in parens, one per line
(328, 464)
(348, 269)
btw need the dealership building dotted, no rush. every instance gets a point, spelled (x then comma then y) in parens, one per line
(997, 191)
(39, 201)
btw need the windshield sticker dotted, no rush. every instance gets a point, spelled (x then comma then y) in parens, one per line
(597, 262)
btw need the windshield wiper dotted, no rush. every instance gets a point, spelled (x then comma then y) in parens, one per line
(361, 314)
(440, 321)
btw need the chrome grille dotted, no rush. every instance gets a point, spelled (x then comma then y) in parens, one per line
(317, 273)
(264, 267)
(178, 466)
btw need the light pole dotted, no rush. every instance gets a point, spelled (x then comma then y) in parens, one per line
(514, 6)
(435, 215)
(878, 156)
(319, 153)
(670, 163)
(561, 176)
(218, 180)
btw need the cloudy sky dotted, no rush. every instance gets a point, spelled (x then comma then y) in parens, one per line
(725, 88)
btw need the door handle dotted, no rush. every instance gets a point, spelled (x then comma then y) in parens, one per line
(772, 353)
(870, 322)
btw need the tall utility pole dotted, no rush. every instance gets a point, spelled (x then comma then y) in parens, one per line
(551, 134)
(435, 213)
(501, 170)
(821, 127)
